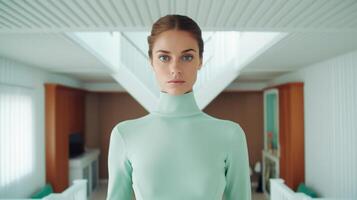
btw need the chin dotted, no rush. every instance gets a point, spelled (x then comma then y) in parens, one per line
(176, 92)
(181, 92)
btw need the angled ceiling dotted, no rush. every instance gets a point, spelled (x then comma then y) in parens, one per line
(318, 29)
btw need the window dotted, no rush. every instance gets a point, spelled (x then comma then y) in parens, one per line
(16, 133)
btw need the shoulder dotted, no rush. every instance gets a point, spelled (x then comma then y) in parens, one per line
(236, 135)
(232, 129)
(126, 126)
(235, 129)
(225, 123)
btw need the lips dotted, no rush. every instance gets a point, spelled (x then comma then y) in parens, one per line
(176, 81)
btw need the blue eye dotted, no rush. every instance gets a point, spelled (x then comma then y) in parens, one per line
(187, 57)
(164, 58)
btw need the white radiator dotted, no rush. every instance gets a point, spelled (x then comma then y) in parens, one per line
(279, 191)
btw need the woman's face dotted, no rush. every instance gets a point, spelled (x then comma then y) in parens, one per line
(175, 61)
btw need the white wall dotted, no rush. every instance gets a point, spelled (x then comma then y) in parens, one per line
(330, 124)
(15, 73)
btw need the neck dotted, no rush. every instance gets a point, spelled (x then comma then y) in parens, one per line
(168, 93)
(177, 105)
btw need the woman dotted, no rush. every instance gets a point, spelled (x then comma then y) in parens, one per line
(177, 151)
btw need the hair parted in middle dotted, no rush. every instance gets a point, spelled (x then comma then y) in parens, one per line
(176, 22)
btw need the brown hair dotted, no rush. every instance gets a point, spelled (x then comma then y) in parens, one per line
(175, 22)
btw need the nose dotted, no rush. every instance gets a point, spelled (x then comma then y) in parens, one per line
(176, 74)
(175, 70)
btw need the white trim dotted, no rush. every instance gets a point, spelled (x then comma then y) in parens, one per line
(104, 87)
(254, 86)
(265, 153)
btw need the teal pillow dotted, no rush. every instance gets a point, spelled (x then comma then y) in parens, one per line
(308, 191)
(45, 191)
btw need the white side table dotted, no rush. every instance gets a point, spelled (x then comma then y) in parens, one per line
(85, 166)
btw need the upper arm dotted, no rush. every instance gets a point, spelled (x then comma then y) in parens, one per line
(238, 185)
(119, 169)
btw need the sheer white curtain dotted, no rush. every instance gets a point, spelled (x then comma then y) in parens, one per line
(17, 125)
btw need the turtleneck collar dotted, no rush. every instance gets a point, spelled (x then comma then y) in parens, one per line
(177, 105)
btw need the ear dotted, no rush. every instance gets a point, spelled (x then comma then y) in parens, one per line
(200, 65)
(150, 61)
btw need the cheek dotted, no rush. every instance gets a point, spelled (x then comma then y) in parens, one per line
(160, 71)
(190, 74)
(193, 75)
(193, 67)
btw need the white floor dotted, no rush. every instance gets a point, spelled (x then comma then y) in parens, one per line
(101, 192)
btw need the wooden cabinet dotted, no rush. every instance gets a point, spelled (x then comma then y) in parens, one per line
(283, 154)
(64, 110)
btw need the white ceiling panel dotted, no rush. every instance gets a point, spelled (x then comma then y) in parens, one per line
(123, 15)
(52, 52)
(302, 49)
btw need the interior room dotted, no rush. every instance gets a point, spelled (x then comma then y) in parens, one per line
(285, 71)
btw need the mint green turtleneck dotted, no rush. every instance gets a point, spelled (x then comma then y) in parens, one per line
(178, 152)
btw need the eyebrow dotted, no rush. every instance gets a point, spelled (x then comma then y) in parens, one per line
(184, 51)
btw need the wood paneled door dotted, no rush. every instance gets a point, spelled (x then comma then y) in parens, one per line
(64, 110)
(291, 128)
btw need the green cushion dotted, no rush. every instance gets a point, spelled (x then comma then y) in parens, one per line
(308, 191)
(46, 190)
